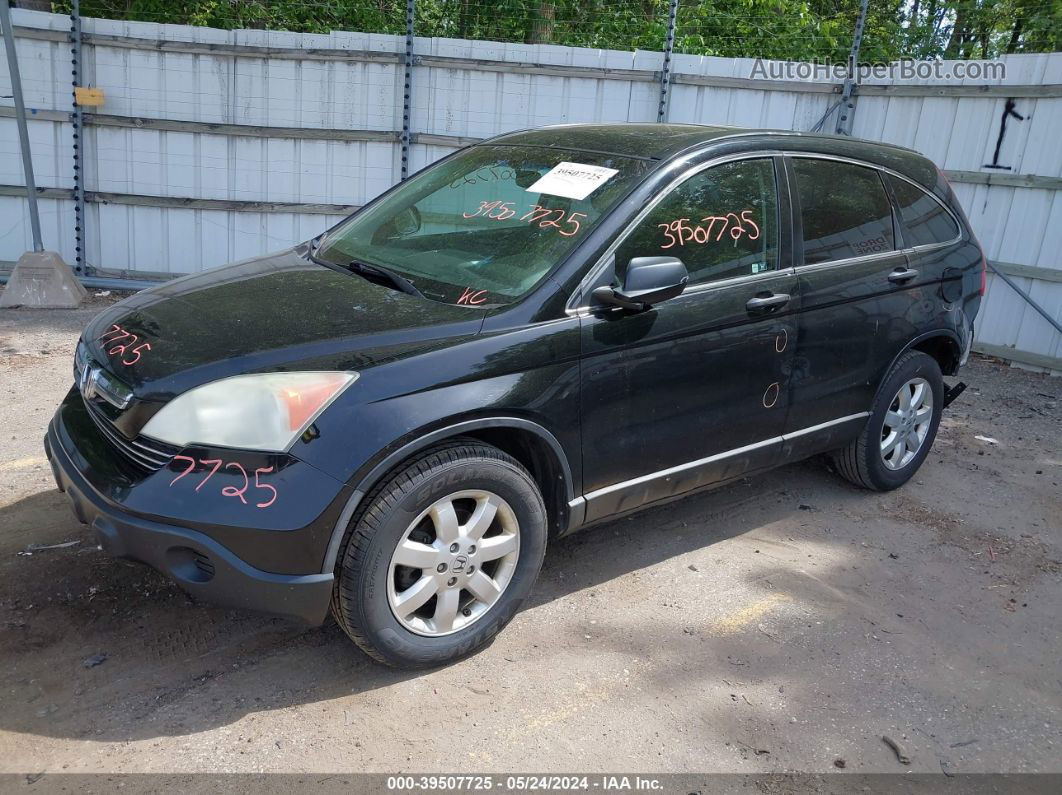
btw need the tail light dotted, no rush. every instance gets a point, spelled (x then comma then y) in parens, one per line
(984, 273)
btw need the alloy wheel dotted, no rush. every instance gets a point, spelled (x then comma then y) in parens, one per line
(453, 563)
(906, 423)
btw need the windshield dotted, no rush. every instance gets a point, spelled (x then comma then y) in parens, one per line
(486, 226)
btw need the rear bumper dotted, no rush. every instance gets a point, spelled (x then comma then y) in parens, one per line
(198, 563)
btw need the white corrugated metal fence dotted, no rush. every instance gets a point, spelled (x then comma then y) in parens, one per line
(217, 145)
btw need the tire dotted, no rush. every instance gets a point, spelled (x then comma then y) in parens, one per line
(863, 460)
(371, 584)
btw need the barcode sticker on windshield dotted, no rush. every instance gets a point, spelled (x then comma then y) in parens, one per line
(572, 180)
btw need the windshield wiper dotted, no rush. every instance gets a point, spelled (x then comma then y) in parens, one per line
(400, 283)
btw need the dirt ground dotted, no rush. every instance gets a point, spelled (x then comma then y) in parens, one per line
(781, 624)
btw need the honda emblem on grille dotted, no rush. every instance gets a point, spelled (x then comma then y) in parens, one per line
(89, 377)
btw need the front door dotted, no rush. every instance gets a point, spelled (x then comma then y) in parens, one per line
(694, 390)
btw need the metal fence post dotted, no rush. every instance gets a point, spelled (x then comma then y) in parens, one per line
(20, 118)
(665, 72)
(81, 266)
(846, 114)
(407, 62)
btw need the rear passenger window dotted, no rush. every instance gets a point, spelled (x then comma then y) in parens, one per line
(844, 209)
(924, 218)
(722, 223)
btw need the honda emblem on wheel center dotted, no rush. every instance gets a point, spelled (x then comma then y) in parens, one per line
(459, 564)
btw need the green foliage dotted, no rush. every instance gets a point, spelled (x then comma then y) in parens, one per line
(981, 28)
(798, 30)
(302, 16)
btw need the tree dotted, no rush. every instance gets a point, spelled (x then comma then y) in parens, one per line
(542, 22)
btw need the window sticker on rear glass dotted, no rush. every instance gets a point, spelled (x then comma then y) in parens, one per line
(573, 180)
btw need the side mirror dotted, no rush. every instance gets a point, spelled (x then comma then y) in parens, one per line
(649, 281)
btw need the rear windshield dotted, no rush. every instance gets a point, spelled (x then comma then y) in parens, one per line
(486, 226)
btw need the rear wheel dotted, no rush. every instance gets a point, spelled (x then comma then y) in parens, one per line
(441, 557)
(901, 428)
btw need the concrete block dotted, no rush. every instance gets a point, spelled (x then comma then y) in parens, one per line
(42, 279)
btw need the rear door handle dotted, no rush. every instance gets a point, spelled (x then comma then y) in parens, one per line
(767, 303)
(901, 275)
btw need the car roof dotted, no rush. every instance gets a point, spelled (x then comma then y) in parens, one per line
(663, 141)
(651, 141)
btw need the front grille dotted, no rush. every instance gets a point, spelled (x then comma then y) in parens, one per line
(147, 454)
(103, 384)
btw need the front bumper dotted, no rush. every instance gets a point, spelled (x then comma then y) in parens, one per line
(198, 563)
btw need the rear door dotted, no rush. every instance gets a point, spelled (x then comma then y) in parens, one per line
(694, 390)
(931, 236)
(852, 285)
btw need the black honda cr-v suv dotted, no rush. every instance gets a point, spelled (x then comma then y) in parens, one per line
(536, 333)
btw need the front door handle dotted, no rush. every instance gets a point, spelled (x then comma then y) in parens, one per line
(767, 303)
(901, 275)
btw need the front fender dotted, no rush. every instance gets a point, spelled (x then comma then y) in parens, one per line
(525, 378)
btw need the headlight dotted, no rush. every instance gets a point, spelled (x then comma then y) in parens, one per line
(254, 412)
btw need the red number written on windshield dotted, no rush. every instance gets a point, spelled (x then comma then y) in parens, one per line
(564, 222)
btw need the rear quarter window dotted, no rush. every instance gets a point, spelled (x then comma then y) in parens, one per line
(844, 210)
(925, 221)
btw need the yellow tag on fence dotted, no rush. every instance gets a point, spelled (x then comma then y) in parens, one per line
(91, 97)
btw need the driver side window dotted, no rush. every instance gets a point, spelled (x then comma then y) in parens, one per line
(722, 223)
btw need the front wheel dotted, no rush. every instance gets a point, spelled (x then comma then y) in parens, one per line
(901, 428)
(441, 557)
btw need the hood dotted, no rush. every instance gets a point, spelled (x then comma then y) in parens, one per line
(279, 312)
